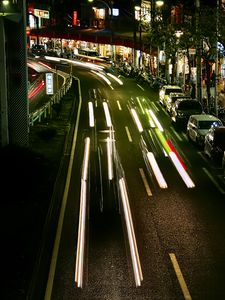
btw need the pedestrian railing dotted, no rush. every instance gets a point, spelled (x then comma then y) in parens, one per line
(46, 110)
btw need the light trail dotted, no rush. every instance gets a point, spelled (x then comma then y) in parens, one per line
(131, 235)
(109, 158)
(141, 107)
(82, 217)
(91, 114)
(115, 78)
(136, 119)
(107, 114)
(184, 175)
(103, 77)
(36, 90)
(128, 134)
(155, 120)
(156, 170)
(119, 106)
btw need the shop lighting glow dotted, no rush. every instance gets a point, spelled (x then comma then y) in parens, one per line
(107, 114)
(156, 170)
(91, 114)
(136, 119)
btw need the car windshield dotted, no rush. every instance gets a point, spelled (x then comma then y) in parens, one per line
(175, 90)
(193, 105)
(208, 124)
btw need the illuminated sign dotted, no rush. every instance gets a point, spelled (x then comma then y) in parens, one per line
(41, 13)
(49, 83)
(74, 18)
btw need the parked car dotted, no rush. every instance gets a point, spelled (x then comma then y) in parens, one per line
(166, 90)
(172, 97)
(223, 164)
(215, 144)
(183, 109)
(199, 125)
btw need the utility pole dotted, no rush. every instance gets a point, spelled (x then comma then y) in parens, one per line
(3, 88)
(217, 58)
(16, 123)
(198, 53)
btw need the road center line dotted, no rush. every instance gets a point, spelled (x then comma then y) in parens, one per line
(147, 187)
(180, 277)
(128, 134)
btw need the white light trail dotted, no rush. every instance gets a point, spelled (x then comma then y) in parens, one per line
(107, 114)
(151, 123)
(103, 77)
(86, 159)
(184, 175)
(119, 106)
(156, 120)
(136, 119)
(141, 107)
(91, 114)
(82, 217)
(156, 170)
(109, 158)
(115, 78)
(131, 235)
(81, 236)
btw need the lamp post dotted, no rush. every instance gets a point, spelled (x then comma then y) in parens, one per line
(158, 5)
(198, 53)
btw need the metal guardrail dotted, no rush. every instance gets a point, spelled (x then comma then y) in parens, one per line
(46, 110)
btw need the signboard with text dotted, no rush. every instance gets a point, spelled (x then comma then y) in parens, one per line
(41, 13)
(49, 83)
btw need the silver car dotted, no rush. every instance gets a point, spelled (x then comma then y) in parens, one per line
(199, 125)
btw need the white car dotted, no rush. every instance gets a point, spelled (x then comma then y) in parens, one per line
(199, 125)
(166, 90)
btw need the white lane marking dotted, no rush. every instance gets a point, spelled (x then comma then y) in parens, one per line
(155, 106)
(175, 133)
(213, 181)
(119, 106)
(184, 136)
(128, 134)
(180, 277)
(51, 275)
(147, 187)
(140, 87)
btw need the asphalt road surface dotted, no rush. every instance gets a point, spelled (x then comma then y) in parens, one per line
(174, 248)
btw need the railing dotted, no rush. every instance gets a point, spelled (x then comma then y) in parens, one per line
(46, 110)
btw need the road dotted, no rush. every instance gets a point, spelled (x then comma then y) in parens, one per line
(178, 228)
